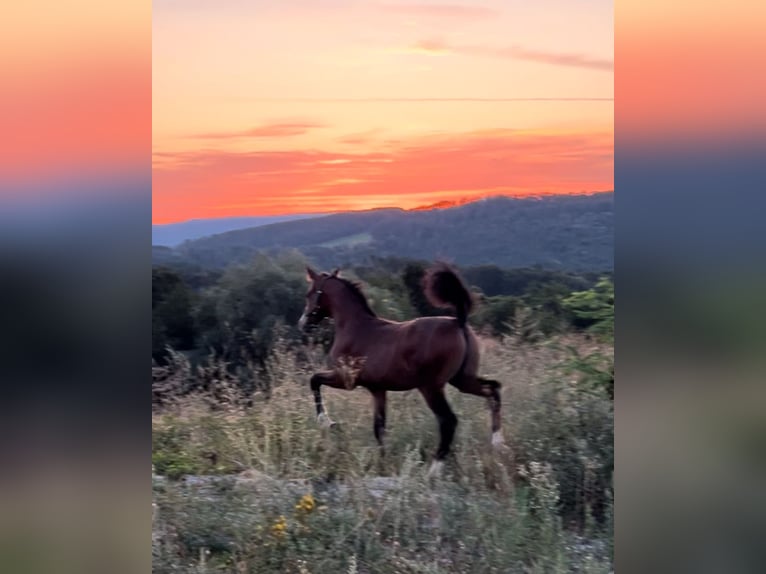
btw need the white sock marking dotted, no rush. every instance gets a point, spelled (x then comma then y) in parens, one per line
(324, 420)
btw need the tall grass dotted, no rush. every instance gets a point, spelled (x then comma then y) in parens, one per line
(542, 504)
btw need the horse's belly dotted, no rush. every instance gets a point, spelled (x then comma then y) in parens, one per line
(389, 378)
(390, 385)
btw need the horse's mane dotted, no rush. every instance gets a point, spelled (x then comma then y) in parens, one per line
(356, 290)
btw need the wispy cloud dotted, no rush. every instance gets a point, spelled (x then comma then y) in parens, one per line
(274, 130)
(438, 47)
(431, 46)
(555, 58)
(428, 99)
(361, 138)
(455, 11)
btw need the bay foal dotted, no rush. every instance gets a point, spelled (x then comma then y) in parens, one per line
(382, 355)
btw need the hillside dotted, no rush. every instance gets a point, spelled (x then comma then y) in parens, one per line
(172, 234)
(556, 232)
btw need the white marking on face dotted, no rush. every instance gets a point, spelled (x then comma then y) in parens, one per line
(302, 321)
(497, 439)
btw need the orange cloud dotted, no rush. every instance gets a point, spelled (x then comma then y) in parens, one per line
(360, 138)
(275, 130)
(432, 46)
(413, 173)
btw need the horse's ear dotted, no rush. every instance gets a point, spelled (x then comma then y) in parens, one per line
(336, 271)
(311, 275)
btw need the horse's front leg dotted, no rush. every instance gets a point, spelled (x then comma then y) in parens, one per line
(331, 379)
(379, 416)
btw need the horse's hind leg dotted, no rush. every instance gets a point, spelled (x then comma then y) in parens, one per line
(437, 402)
(330, 379)
(490, 389)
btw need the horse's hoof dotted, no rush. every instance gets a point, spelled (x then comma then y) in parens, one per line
(436, 468)
(325, 421)
(497, 439)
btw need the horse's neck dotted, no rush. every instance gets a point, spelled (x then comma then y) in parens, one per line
(349, 314)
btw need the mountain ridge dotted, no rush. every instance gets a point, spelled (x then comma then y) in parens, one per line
(173, 234)
(572, 232)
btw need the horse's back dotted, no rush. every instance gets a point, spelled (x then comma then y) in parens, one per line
(409, 354)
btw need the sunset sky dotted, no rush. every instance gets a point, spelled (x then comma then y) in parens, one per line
(326, 105)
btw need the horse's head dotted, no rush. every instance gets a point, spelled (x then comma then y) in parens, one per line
(317, 303)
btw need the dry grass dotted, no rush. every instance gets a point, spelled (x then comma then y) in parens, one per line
(529, 507)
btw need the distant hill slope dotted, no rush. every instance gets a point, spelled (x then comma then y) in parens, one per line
(172, 234)
(556, 232)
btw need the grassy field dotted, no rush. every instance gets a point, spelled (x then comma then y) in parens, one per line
(293, 497)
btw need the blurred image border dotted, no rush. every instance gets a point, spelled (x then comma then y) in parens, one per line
(75, 253)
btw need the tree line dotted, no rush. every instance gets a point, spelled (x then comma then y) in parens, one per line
(233, 313)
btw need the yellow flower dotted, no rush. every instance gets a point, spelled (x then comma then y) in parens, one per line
(279, 527)
(306, 503)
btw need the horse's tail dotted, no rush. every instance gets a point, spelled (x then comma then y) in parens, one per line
(444, 288)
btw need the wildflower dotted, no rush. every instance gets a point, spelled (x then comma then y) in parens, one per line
(279, 527)
(306, 504)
